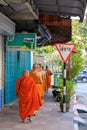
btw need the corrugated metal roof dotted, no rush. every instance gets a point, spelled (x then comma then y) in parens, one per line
(21, 8)
(62, 7)
(25, 13)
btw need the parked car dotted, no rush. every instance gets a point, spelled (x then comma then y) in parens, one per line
(85, 69)
(82, 76)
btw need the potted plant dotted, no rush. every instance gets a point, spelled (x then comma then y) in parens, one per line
(69, 91)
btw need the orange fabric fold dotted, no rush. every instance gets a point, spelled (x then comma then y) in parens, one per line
(29, 98)
(49, 79)
(38, 80)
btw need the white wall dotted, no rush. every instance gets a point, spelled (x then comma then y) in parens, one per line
(6, 25)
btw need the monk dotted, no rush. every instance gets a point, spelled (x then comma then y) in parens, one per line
(29, 98)
(36, 75)
(48, 78)
(42, 73)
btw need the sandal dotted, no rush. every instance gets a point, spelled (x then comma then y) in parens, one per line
(29, 118)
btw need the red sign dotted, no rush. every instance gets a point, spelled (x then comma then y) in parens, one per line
(65, 50)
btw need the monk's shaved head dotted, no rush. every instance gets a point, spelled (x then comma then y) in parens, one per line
(26, 72)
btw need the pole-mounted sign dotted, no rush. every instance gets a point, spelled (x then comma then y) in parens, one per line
(65, 50)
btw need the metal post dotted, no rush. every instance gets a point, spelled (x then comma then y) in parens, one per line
(64, 88)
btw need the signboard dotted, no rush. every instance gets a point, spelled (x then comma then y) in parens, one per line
(22, 41)
(65, 50)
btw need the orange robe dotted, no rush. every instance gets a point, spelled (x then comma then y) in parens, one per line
(49, 79)
(44, 79)
(38, 80)
(29, 98)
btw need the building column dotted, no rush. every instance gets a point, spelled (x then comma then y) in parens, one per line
(1, 72)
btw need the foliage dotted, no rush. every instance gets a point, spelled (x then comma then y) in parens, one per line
(70, 86)
(79, 33)
(44, 50)
(79, 37)
(77, 62)
(51, 55)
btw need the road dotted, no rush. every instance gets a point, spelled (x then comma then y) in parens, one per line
(81, 89)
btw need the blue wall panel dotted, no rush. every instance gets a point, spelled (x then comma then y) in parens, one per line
(16, 63)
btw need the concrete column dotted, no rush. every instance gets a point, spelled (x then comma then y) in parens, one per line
(1, 72)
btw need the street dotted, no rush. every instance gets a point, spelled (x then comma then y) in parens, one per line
(81, 88)
(81, 92)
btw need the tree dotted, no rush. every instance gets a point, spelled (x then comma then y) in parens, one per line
(79, 36)
(52, 57)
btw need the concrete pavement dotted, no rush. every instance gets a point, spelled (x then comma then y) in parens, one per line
(81, 93)
(48, 117)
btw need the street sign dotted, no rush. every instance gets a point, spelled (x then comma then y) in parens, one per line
(65, 50)
(22, 41)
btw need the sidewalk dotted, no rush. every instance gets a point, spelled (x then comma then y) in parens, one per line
(48, 117)
(82, 98)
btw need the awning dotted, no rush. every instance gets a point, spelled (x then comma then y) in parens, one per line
(30, 9)
(64, 8)
(27, 15)
(59, 27)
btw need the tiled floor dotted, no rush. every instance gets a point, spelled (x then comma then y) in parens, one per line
(48, 117)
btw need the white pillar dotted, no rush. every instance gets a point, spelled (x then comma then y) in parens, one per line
(1, 72)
